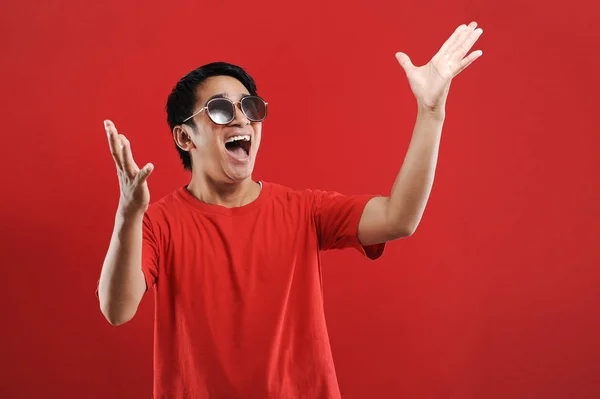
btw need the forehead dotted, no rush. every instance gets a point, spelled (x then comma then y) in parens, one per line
(221, 85)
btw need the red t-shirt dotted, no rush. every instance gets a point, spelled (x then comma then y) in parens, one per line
(238, 292)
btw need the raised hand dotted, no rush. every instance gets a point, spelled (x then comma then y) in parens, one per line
(430, 83)
(135, 195)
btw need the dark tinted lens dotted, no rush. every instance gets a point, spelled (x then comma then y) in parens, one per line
(254, 108)
(220, 111)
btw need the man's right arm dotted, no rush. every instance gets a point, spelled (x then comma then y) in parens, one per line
(122, 283)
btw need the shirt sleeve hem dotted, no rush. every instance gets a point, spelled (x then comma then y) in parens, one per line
(372, 252)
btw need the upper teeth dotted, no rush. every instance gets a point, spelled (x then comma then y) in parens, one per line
(236, 138)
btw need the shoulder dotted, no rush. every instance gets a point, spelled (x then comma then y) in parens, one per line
(166, 207)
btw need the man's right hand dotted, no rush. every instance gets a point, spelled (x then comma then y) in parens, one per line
(135, 195)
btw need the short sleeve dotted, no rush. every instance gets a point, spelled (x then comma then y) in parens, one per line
(150, 252)
(337, 217)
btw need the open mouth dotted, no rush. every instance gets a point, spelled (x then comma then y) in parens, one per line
(239, 146)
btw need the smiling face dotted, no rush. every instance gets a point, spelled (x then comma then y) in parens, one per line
(222, 153)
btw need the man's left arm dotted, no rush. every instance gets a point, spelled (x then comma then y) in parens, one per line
(389, 218)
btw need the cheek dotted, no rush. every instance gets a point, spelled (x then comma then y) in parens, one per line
(212, 148)
(206, 142)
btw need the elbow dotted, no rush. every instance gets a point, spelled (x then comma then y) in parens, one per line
(401, 224)
(116, 315)
(404, 230)
(116, 319)
(410, 229)
(115, 322)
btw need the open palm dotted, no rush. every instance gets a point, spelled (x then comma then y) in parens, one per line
(135, 195)
(430, 83)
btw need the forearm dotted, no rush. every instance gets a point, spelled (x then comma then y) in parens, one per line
(122, 284)
(412, 186)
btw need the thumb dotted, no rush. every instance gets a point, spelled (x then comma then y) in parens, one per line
(404, 61)
(145, 172)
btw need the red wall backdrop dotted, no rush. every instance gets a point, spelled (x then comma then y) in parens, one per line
(495, 296)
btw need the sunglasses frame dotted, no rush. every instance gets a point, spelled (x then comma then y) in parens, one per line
(233, 104)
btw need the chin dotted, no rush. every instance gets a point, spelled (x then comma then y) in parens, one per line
(238, 174)
(238, 170)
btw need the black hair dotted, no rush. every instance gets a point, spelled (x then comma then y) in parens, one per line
(182, 100)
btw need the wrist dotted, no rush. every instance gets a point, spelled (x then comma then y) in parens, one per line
(130, 212)
(434, 113)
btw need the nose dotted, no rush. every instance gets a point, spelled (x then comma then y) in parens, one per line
(239, 117)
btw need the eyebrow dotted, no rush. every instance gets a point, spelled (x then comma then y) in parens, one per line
(224, 95)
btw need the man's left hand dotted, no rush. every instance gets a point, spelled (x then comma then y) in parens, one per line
(430, 83)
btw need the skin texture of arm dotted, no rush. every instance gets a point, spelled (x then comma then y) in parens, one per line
(122, 284)
(389, 218)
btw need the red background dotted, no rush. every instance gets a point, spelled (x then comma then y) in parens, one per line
(495, 296)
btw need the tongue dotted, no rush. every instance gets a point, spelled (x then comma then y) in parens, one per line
(237, 152)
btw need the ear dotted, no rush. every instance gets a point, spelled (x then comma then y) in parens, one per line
(182, 137)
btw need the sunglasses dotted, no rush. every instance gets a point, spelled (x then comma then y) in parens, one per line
(222, 110)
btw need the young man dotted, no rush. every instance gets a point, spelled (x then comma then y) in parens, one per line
(234, 263)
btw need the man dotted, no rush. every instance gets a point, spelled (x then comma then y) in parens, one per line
(234, 263)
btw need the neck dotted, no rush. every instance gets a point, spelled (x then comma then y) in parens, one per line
(229, 195)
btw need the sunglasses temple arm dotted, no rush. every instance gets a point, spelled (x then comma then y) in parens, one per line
(202, 109)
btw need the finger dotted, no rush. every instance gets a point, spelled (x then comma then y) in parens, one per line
(461, 38)
(469, 42)
(129, 164)
(113, 142)
(145, 172)
(463, 35)
(452, 38)
(469, 60)
(404, 61)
